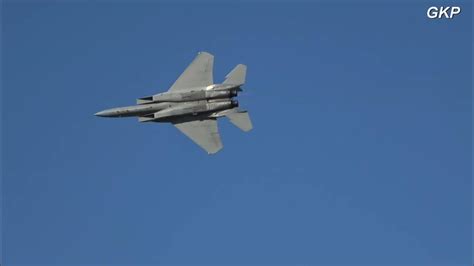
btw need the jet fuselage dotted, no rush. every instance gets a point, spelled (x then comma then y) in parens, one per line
(193, 103)
(214, 91)
(162, 111)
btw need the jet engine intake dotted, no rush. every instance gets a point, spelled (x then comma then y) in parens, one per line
(145, 100)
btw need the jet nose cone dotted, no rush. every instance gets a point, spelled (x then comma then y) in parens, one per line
(101, 113)
(105, 113)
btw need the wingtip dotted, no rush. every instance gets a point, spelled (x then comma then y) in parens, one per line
(211, 152)
(205, 53)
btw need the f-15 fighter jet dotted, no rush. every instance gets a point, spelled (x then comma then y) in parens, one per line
(193, 103)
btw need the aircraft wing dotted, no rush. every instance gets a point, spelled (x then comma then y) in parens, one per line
(197, 74)
(203, 132)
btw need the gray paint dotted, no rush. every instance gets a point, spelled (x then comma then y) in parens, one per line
(193, 103)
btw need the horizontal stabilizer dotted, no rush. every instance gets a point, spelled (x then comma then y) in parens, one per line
(237, 75)
(241, 119)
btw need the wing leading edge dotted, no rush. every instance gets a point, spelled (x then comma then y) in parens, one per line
(203, 132)
(197, 74)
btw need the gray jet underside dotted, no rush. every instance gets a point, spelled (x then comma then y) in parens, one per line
(194, 103)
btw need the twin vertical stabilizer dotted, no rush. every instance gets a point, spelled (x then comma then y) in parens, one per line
(237, 75)
(240, 119)
(194, 103)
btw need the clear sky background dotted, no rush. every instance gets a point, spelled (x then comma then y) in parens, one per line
(360, 153)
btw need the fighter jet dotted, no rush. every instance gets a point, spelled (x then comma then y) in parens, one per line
(194, 103)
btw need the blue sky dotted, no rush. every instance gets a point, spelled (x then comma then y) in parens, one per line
(360, 153)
